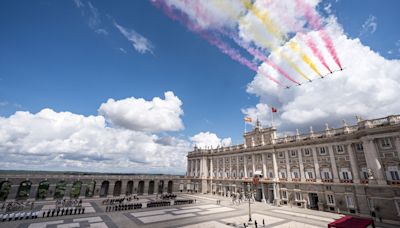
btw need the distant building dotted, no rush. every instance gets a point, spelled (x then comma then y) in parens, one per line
(351, 170)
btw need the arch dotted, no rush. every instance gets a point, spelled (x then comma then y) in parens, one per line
(161, 187)
(43, 189)
(60, 190)
(76, 189)
(151, 188)
(5, 188)
(104, 189)
(141, 188)
(23, 190)
(90, 189)
(129, 188)
(117, 188)
(170, 186)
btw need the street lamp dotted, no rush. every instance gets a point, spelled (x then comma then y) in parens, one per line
(256, 178)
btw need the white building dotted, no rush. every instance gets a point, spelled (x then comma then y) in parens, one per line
(353, 169)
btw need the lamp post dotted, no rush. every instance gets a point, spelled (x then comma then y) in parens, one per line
(256, 176)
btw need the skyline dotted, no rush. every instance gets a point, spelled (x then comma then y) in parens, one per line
(124, 84)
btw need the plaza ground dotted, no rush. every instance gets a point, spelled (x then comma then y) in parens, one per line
(204, 213)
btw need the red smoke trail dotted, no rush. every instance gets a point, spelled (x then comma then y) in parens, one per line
(224, 48)
(259, 55)
(315, 22)
(312, 45)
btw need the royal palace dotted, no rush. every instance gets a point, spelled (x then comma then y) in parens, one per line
(351, 170)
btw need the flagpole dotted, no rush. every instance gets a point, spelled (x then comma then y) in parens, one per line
(272, 118)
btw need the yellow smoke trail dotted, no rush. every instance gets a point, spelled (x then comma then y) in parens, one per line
(274, 49)
(295, 47)
(277, 33)
(264, 17)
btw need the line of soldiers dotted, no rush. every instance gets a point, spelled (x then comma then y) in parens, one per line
(180, 202)
(119, 200)
(63, 211)
(123, 207)
(159, 204)
(168, 196)
(19, 216)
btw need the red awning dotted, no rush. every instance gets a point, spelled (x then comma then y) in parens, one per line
(351, 222)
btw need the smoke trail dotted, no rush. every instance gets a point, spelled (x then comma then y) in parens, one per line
(264, 17)
(258, 54)
(295, 47)
(224, 48)
(315, 22)
(273, 48)
(312, 45)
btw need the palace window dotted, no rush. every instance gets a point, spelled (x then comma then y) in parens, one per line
(307, 152)
(298, 196)
(339, 149)
(364, 173)
(349, 201)
(280, 155)
(268, 155)
(397, 204)
(295, 174)
(331, 199)
(386, 143)
(284, 194)
(293, 153)
(393, 173)
(326, 174)
(345, 174)
(271, 175)
(359, 147)
(322, 150)
(283, 174)
(310, 175)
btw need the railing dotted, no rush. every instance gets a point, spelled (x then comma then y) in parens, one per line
(364, 181)
(346, 181)
(394, 182)
(310, 180)
(327, 180)
(296, 179)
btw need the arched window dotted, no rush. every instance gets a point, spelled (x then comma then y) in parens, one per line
(5, 188)
(76, 189)
(90, 189)
(43, 190)
(60, 190)
(24, 190)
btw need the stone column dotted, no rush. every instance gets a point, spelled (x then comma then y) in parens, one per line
(97, 189)
(301, 165)
(192, 167)
(245, 165)
(277, 196)
(223, 167)
(13, 192)
(353, 163)
(263, 193)
(264, 165)
(68, 191)
(123, 187)
(316, 165)
(201, 172)
(230, 167)
(373, 161)
(188, 168)
(275, 165)
(211, 168)
(253, 163)
(397, 143)
(333, 164)
(237, 167)
(82, 193)
(218, 168)
(205, 168)
(196, 168)
(288, 170)
(146, 187)
(111, 185)
(33, 191)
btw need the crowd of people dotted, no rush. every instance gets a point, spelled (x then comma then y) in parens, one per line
(19, 215)
(16, 206)
(68, 203)
(120, 200)
(159, 204)
(123, 207)
(168, 196)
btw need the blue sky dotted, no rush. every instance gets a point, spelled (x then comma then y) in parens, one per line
(54, 56)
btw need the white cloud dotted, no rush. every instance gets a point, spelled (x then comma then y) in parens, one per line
(139, 42)
(369, 26)
(368, 86)
(79, 3)
(66, 141)
(92, 15)
(122, 50)
(141, 115)
(3, 103)
(207, 139)
(328, 8)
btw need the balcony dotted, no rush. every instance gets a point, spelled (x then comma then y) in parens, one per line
(364, 181)
(282, 179)
(394, 182)
(310, 180)
(346, 181)
(296, 179)
(327, 180)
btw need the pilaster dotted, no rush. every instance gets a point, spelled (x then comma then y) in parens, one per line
(333, 165)
(301, 165)
(354, 165)
(288, 170)
(316, 165)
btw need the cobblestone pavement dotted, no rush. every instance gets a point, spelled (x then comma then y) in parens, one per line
(206, 212)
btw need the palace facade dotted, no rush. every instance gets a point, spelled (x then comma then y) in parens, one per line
(351, 170)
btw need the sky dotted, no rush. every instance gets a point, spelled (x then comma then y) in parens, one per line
(132, 86)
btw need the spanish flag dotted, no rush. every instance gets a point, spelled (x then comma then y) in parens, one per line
(248, 119)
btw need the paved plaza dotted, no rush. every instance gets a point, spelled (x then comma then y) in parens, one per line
(204, 213)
